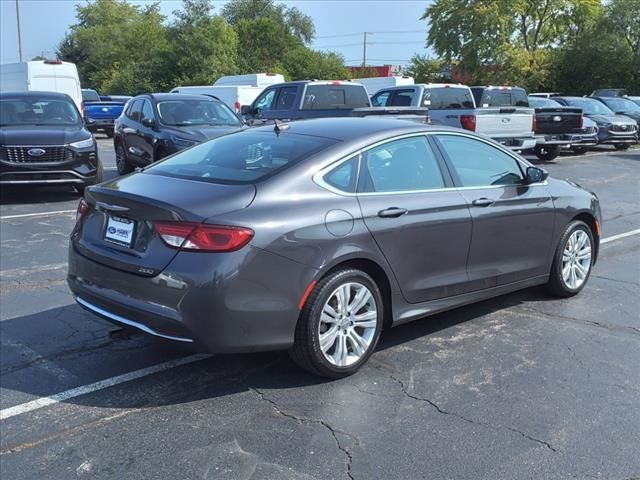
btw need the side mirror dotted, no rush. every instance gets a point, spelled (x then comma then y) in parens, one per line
(536, 175)
(89, 121)
(245, 110)
(149, 122)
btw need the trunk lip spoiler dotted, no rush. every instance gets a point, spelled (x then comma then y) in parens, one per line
(110, 208)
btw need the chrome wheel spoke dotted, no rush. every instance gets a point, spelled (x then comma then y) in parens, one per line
(359, 301)
(584, 254)
(581, 272)
(328, 339)
(365, 320)
(576, 259)
(358, 344)
(340, 353)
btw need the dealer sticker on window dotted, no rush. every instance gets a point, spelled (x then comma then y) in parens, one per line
(119, 230)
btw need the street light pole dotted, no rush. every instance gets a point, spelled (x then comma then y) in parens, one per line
(364, 50)
(19, 35)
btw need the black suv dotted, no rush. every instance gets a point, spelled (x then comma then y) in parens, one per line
(43, 140)
(153, 126)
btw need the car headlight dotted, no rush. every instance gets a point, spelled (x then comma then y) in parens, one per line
(83, 143)
(184, 142)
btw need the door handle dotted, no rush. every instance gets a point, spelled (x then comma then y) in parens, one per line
(483, 202)
(392, 212)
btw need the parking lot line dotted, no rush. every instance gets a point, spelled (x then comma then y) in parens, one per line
(620, 235)
(161, 367)
(38, 214)
(101, 385)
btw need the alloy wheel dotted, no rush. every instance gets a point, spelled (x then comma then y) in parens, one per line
(348, 324)
(576, 259)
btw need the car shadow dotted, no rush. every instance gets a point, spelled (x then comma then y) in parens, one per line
(63, 348)
(28, 195)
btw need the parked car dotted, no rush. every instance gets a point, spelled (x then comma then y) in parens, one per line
(314, 237)
(587, 138)
(42, 76)
(153, 126)
(100, 115)
(43, 141)
(234, 96)
(609, 92)
(375, 84)
(622, 106)
(557, 127)
(635, 100)
(545, 94)
(251, 79)
(318, 99)
(617, 130)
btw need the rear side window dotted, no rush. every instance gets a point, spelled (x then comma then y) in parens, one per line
(242, 158)
(447, 98)
(329, 97)
(286, 98)
(403, 165)
(401, 98)
(344, 176)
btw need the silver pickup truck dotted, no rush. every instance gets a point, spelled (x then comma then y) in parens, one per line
(454, 105)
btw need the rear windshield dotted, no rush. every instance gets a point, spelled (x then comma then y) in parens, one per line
(497, 97)
(38, 111)
(323, 97)
(538, 102)
(90, 96)
(590, 106)
(182, 113)
(241, 158)
(451, 98)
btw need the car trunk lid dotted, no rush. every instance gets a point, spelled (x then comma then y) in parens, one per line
(118, 230)
(558, 120)
(505, 122)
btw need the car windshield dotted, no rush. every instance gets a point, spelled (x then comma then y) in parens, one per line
(622, 105)
(537, 102)
(590, 107)
(241, 158)
(30, 110)
(182, 113)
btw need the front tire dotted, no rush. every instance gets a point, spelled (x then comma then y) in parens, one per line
(546, 153)
(572, 261)
(122, 163)
(579, 150)
(624, 146)
(339, 325)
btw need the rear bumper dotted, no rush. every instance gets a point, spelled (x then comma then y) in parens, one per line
(560, 139)
(222, 303)
(101, 125)
(517, 143)
(81, 170)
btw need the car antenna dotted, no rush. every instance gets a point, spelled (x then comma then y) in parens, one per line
(280, 126)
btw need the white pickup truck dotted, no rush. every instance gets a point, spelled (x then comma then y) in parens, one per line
(454, 105)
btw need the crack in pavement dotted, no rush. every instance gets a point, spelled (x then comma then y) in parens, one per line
(583, 321)
(469, 420)
(334, 431)
(626, 282)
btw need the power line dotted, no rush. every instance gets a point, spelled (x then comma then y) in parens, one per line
(381, 32)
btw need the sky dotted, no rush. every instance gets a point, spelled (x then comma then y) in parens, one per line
(395, 29)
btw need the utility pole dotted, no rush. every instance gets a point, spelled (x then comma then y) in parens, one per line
(19, 35)
(364, 50)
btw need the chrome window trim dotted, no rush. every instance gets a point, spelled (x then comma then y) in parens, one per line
(318, 177)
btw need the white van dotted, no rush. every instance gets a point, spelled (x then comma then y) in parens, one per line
(233, 96)
(42, 76)
(254, 79)
(375, 84)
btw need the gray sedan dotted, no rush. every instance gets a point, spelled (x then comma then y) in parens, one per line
(314, 236)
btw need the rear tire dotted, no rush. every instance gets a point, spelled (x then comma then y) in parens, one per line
(339, 325)
(109, 133)
(579, 150)
(547, 153)
(573, 260)
(624, 146)
(122, 163)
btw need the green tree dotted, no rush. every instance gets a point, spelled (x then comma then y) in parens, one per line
(424, 69)
(263, 44)
(302, 63)
(505, 41)
(202, 46)
(297, 23)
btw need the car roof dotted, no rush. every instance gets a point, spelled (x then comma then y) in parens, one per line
(348, 129)
(575, 98)
(177, 96)
(35, 94)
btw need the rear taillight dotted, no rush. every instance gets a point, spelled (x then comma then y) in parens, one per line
(203, 238)
(468, 122)
(237, 106)
(534, 123)
(83, 209)
(581, 121)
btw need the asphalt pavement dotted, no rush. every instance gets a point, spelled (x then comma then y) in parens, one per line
(524, 386)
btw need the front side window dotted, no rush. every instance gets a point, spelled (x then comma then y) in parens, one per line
(479, 164)
(403, 165)
(196, 112)
(380, 99)
(135, 111)
(147, 111)
(30, 110)
(265, 101)
(241, 158)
